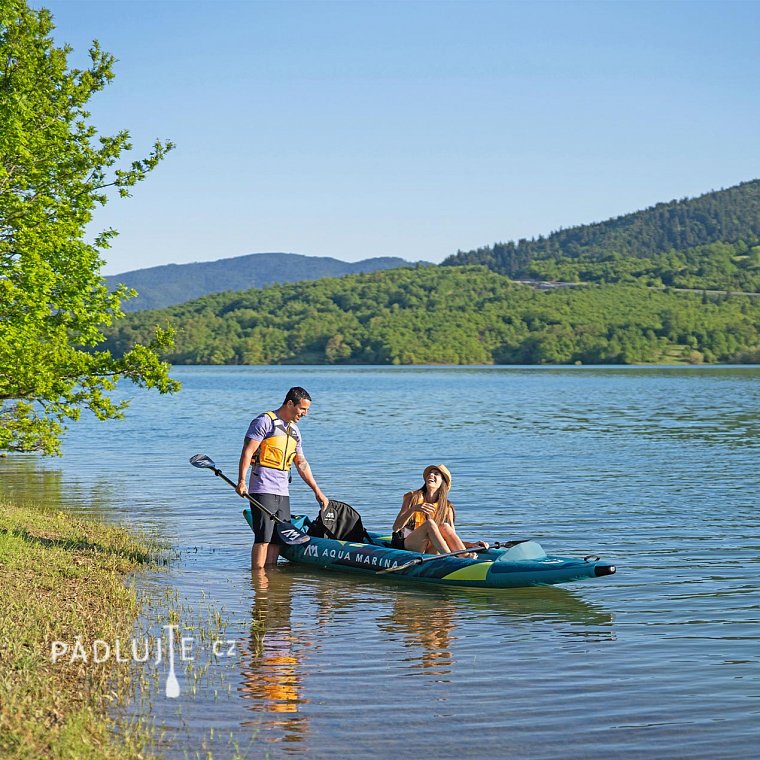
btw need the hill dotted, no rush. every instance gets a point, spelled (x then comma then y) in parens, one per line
(451, 315)
(730, 217)
(170, 284)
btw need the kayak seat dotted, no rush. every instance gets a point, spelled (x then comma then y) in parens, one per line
(340, 522)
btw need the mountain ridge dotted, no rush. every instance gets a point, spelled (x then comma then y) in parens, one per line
(169, 284)
(726, 216)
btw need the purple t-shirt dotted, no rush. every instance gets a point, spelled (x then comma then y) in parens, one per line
(265, 479)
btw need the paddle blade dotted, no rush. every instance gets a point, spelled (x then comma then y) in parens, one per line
(201, 460)
(290, 535)
(522, 550)
(172, 686)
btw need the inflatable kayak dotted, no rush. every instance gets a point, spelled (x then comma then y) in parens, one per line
(523, 564)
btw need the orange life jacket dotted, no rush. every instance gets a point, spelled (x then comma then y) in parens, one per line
(278, 449)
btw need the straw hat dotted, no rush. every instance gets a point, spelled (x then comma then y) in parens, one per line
(442, 469)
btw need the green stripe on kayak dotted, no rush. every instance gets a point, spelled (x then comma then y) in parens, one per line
(476, 572)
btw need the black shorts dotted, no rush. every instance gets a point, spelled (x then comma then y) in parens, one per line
(264, 526)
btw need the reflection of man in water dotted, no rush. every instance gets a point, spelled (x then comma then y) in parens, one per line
(271, 667)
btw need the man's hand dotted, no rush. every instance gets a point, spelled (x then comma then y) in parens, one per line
(322, 500)
(242, 488)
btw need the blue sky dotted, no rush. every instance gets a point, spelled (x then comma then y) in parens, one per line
(413, 129)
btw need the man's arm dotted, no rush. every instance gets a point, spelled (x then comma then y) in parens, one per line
(305, 472)
(250, 447)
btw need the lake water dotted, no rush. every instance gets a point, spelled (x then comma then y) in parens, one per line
(654, 469)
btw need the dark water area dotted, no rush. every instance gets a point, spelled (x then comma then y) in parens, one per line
(654, 469)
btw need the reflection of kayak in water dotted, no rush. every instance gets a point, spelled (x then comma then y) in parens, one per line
(547, 603)
(525, 564)
(551, 604)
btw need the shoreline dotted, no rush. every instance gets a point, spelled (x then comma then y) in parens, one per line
(65, 580)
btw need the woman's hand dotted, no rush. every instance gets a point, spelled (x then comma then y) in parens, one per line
(428, 509)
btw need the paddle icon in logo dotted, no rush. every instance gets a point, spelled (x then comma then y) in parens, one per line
(172, 684)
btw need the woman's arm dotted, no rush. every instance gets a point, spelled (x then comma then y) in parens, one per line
(406, 511)
(474, 544)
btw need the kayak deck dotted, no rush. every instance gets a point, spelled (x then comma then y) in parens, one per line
(525, 564)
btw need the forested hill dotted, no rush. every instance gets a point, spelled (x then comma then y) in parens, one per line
(726, 216)
(451, 315)
(176, 283)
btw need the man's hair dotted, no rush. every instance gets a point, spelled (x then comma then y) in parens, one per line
(296, 395)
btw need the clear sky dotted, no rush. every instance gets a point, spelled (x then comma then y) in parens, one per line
(413, 129)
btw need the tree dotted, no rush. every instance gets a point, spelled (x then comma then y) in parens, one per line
(54, 170)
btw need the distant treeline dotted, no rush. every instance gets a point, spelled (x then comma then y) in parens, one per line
(452, 315)
(726, 216)
(718, 266)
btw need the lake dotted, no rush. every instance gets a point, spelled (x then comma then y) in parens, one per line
(654, 469)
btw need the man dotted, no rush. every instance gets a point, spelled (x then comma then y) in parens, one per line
(272, 444)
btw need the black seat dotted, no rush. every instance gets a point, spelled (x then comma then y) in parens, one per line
(339, 521)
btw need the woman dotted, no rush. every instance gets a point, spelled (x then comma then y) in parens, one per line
(425, 523)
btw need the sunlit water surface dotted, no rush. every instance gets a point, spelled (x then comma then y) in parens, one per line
(653, 469)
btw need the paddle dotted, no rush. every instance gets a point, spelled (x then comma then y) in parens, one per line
(172, 684)
(285, 530)
(421, 560)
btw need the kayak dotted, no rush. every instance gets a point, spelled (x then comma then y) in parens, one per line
(524, 564)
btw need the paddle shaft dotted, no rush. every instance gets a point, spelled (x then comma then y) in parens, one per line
(248, 496)
(422, 560)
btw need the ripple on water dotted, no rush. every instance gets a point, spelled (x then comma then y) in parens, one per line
(654, 469)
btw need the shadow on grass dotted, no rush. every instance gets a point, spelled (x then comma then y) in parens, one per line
(136, 555)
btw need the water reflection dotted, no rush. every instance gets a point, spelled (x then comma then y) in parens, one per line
(539, 604)
(29, 480)
(427, 624)
(426, 633)
(654, 468)
(272, 679)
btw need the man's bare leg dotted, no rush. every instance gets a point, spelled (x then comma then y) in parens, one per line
(263, 555)
(273, 553)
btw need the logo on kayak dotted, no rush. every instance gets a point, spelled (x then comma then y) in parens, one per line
(347, 556)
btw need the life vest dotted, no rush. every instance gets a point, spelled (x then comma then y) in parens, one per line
(278, 450)
(418, 517)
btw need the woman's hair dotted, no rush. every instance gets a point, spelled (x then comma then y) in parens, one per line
(444, 505)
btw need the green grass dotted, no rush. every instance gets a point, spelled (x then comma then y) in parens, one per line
(61, 578)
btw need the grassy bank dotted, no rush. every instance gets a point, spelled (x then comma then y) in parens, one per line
(61, 578)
